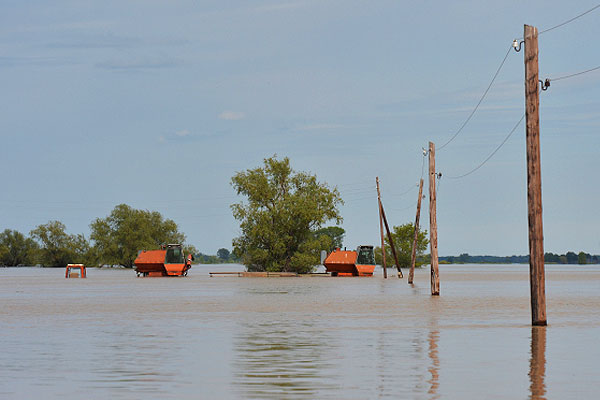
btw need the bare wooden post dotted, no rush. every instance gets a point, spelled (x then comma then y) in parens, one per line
(537, 279)
(389, 235)
(381, 230)
(433, 245)
(413, 256)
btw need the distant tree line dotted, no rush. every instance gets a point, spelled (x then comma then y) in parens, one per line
(114, 240)
(223, 256)
(549, 258)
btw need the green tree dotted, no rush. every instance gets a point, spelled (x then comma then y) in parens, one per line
(223, 254)
(58, 248)
(571, 257)
(335, 233)
(119, 237)
(190, 249)
(403, 237)
(582, 258)
(284, 208)
(16, 249)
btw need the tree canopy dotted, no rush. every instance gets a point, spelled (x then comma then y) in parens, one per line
(278, 221)
(335, 233)
(120, 236)
(16, 249)
(403, 237)
(223, 254)
(58, 248)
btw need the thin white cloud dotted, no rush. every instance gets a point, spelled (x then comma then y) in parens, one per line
(231, 115)
(183, 133)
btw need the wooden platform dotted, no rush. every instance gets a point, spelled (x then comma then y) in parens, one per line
(255, 274)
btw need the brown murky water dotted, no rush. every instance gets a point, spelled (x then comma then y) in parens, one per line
(113, 335)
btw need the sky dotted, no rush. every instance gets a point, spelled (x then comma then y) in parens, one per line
(157, 104)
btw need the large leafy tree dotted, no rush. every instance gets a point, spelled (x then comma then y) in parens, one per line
(223, 254)
(58, 248)
(283, 211)
(403, 237)
(335, 233)
(119, 237)
(16, 249)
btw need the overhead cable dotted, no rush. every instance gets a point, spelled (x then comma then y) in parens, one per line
(493, 152)
(479, 102)
(570, 20)
(410, 189)
(575, 74)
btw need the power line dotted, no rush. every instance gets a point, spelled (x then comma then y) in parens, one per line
(570, 20)
(575, 74)
(413, 205)
(493, 152)
(478, 103)
(412, 187)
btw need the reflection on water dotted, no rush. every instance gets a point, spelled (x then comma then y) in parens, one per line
(434, 368)
(537, 363)
(283, 357)
(115, 336)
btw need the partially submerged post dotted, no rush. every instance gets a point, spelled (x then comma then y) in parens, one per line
(534, 180)
(381, 230)
(435, 274)
(413, 255)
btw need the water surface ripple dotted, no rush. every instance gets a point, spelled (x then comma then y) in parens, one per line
(113, 335)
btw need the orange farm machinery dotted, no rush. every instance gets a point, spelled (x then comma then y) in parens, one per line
(359, 262)
(170, 260)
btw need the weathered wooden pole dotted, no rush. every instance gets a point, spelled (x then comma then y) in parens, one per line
(389, 235)
(413, 256)
(433, 245)
(381, 230)
(537, 279)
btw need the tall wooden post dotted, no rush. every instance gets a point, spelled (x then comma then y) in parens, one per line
(381, 230)
(413, 256)
(537, 279)
(433, 245)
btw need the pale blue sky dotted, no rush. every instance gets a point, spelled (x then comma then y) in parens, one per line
(158, 103)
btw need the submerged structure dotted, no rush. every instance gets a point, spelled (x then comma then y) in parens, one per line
(70, 274)
(170, 260)
(359, 262)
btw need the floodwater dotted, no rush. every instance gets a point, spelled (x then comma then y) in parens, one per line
(116, 336)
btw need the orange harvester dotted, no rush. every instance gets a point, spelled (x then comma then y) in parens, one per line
(359, 262)
(168, 261)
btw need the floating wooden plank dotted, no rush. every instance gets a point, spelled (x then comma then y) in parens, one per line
(265, 274)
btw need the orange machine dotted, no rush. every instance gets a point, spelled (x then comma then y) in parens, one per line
(69, 274)
(168, 261)
(359, 262)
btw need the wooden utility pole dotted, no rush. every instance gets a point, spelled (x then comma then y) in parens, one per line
(413, 255)
(381, 229)
(389, 235)
(537, 279)
(433, 245)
